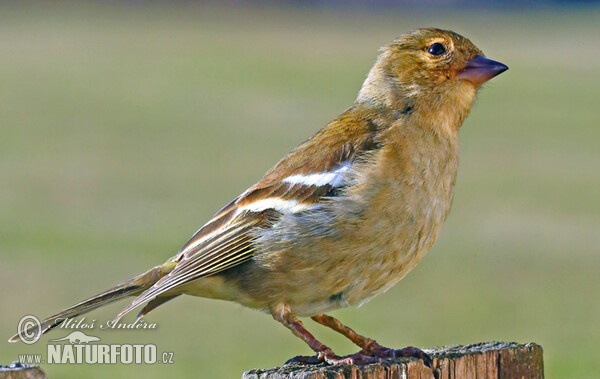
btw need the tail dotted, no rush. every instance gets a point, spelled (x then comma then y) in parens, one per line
(131, 287)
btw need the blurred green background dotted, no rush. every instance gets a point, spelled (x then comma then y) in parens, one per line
(125, 127)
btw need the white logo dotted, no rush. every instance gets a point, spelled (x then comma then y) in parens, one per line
(77, 337)
(81, 348)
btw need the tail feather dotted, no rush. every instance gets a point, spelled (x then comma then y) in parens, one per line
(133, 287)
(155, 303)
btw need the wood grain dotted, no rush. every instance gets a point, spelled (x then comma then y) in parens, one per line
(482, 360)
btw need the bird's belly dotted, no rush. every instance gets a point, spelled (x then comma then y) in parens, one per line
(340, 272)
(347, 286)
(355, 283)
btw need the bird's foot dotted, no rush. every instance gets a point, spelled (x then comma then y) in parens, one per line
(408, 352)
(376, 354)
(305, 359)
(359, 359)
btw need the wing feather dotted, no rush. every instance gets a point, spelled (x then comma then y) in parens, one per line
(229, 247)
(315, 170)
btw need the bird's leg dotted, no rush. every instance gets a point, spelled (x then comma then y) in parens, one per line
(283, 314)
(369, 346)
(365, 343)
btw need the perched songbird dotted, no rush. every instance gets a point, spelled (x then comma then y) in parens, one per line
(346, 214)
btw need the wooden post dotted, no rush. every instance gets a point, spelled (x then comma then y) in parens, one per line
(17, 370)
(482, 360)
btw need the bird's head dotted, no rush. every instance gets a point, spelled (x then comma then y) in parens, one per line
(429, 68)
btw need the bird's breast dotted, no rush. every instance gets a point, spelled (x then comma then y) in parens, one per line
(410, 194)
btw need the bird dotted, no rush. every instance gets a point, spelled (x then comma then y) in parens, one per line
(342, 217)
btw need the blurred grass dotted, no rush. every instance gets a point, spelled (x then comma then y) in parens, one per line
(124, 128)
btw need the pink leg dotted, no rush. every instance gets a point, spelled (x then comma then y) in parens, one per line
(369, 346)
(365, 343)
(283, 314)
(287, 318)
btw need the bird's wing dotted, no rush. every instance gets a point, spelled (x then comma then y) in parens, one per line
(314, 170)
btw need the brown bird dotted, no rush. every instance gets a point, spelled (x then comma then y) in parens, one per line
(346, 214)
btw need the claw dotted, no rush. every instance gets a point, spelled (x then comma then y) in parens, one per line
(305, 359)
(414, 352)
(408, 352)
(358, 359)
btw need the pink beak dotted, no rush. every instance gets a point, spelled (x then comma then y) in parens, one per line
(480, 69)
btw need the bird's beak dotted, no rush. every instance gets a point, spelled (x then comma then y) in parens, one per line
(480, 69)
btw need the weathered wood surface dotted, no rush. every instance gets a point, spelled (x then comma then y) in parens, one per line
(16, 370)
(482, 360)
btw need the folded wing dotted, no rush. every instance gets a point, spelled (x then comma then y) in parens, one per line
(314, 171)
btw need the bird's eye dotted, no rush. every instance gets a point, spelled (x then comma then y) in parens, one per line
(436, 49)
